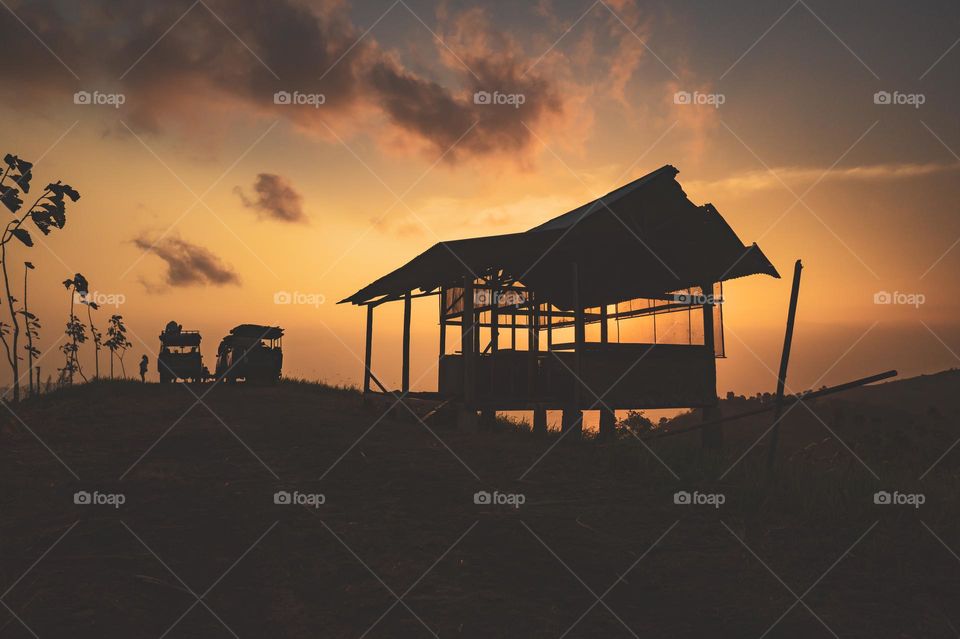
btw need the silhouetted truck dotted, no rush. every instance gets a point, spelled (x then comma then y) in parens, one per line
(180, 356)
(251, 352)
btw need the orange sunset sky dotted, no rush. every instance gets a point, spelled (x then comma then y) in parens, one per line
(202, 198)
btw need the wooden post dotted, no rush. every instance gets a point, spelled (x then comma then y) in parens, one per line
(608, 419)
(784, 359)
(712, 436)
(368, 352)
(405, 387)
(467, 412)
(494, 334)
(540, 419)
(467, 343)
(533, 346)
(443, 323)
(549, 315)
(574, 420)
(604, 336)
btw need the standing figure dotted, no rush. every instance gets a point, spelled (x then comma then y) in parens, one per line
(143, 369)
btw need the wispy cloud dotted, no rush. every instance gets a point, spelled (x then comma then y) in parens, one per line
(188, 264)
(761, 179)
(276, 199)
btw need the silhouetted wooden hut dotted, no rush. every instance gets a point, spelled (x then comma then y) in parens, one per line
(613, 305)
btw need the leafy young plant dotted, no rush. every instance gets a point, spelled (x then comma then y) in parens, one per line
(97, 337)
(31, 327)
(117, 341)
(47, 212)
(76, 331)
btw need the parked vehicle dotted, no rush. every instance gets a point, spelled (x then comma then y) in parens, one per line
(251, 352)
(180, 357)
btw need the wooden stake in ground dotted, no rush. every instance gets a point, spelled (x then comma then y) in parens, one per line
(784, 359)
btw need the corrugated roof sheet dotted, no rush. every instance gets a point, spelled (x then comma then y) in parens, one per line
(644, 239)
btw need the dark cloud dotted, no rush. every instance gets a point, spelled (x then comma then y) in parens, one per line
(188, 264)
(200, 67)
(276, 199)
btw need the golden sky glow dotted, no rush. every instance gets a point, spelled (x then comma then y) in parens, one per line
(799, 157)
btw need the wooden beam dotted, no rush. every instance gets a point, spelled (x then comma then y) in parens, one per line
(443, 326)
(604, 335)
(468, 344)
(533, 347)
(405, 385)
(712, 437)
(575, 418)
(784, 360)
(368, 352)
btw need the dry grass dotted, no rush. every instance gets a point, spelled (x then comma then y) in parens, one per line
(400, 498)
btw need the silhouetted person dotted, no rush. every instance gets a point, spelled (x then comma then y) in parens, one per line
(143, 369)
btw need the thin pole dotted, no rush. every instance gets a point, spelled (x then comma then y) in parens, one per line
(579, 335)
(405, 387)
(784, 360)
(468, 333)
(443, 323)
(368, 351)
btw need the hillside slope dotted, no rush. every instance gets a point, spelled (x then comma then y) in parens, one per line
(399, 520)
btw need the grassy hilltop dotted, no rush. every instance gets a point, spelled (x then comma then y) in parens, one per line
(399, 519)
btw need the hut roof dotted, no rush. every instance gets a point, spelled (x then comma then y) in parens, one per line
(645, 239)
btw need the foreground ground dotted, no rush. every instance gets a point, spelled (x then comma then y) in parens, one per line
(399, 548)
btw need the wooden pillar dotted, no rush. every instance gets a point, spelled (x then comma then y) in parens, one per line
(549, 315)
(494, 321)
(468, 343)
(540, 419)
(608, 418)
(368, 352)
(608, 424)
(443, 322)
(494, 334)
(710, 436)
(406, 343)
(604, 335)
(784, 361)
(573, 416)
(533, 346)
